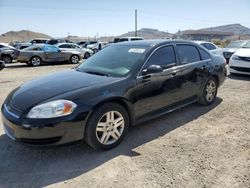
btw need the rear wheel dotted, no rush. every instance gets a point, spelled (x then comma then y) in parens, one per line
(7, 58)
(74, 59)
(35, 61)
(209, 92)
(107, 126)
(86, 55)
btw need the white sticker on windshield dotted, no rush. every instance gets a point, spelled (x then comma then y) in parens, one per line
(136, 50)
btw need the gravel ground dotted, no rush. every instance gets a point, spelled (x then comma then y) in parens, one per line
(195, 146)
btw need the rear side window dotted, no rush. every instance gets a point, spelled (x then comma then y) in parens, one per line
(164, 57)
(204, 54)
(209, 46)
(74, 46)
(123, 39)
(187, 53)
(65, 46)
(132, 39)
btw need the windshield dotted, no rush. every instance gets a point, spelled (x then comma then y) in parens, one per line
(115, 60)
(236, 44)
(247, 45)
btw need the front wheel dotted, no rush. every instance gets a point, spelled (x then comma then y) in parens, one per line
(107, 126)
(209, 92)
(74, 59)
(7, 59)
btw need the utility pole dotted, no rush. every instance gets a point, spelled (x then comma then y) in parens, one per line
(136, 22)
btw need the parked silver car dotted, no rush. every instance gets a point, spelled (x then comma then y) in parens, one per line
(8, 53)
(86, 53)
(38, 54)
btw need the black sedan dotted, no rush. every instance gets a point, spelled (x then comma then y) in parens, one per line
(122, 85)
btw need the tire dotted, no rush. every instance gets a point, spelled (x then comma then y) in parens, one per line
(35, 61)
(95, 51)
(103, 132)
(86, 55)
(74, 59)
(2, 65)
(209, 92)
(7, 58)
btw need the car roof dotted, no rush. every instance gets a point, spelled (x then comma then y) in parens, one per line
(201, 42)
(65, 43)
(40, 39)
(6, 45)
(130, 38)
(152, 43)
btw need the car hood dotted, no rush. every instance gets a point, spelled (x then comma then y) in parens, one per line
(232, 50)
(243, 52)
(36, 91)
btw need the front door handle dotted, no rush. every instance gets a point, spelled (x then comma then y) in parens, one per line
(173, 74)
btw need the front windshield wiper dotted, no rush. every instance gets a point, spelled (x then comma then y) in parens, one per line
(97, 73)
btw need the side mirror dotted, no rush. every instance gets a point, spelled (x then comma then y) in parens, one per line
(152, 69)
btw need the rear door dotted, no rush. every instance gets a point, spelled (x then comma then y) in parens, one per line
(193, 70)
(53, 54)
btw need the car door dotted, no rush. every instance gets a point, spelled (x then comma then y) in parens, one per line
(193, 70)
(156, 91)
(53, 54)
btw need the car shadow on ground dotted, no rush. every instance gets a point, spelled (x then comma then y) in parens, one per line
(23, 166)
(239, 77)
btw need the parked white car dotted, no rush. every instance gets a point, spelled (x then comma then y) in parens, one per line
(239, 62)
(211, 47)
(86, 53)
(232, 47)
(97, 46)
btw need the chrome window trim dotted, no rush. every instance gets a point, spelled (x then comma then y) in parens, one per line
(165, 45)
(177, 64)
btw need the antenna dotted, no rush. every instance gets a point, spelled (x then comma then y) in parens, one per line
(136, 22)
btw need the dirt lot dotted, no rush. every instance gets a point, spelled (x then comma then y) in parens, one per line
(193, 147)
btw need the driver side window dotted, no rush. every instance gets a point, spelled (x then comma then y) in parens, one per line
(164, 56)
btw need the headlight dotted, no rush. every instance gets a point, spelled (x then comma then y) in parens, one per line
(52, 109)
(235, 57)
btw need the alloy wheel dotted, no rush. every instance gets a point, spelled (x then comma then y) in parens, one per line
(35, 61)
(110, 127)
(7, 59)
(210, 90)
(74, 59)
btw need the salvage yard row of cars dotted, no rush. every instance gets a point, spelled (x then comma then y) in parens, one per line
(35, 53)
(40, 51)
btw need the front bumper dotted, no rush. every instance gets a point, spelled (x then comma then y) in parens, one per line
(239, 67)
(43, 133)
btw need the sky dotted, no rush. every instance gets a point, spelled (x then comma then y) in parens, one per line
(59, 18)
